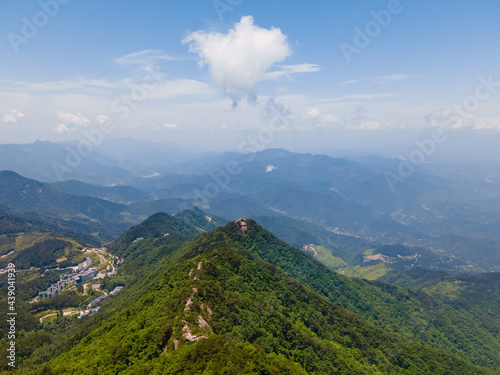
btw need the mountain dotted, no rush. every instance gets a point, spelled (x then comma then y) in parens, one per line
(478, 292)
(104, 219)
(48, 161)
(142, 155)
(112, 161)
(299, 233)
(117, 194)
(187, 223)
(225, 322)
(239, 300)
(351, 255)
(449, 211)
(216, 304)
(424, 320)
(15, 223)
(32, 196)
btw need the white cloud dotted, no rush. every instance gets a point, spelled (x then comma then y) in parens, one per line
(180, 87)
(367, 125)
(379, 79)
(61, 128)
(102, 119)
(72, 119)
(293, 69)
(147, 57)
(78, 84)
(13, 117)
(318, 120)
(243, 56)
(270, 168)
(388, 78)
(355, 97)
(481, 123)
(449, 120)
(171, 126)
(351, 82)
(312, 113)
(349, 118)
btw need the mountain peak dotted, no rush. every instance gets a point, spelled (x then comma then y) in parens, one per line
(8, 173)
(242, 224)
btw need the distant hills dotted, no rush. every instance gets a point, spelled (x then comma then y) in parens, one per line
(117, 194)
(84, 214)
(42, 160)
(112, 161)
(449, 210)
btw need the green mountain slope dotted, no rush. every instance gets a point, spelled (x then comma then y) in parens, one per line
(117, 194)
(187, 223)
(239, 300)
(14, 222)
(226, 312)
(415, 315)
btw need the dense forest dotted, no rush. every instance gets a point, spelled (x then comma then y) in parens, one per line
(242, 301)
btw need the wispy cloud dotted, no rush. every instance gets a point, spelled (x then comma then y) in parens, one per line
(379, 80)
(355, 97)
(352, 118)
(390, 78)
(54, 86)
(293, 69)
(145, 58)
(181, 87)
(468, 122)
(351, 82)
(367, 125)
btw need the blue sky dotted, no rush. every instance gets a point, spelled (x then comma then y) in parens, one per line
(217, 74)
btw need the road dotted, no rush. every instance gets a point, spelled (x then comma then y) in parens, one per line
(65, 313)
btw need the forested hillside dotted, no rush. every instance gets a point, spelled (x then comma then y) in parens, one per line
(239, 300)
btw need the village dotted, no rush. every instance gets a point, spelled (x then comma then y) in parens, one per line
(85, 274)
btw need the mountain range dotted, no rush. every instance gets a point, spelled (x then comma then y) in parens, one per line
(236, 299)
(451, 211)
(273, 262)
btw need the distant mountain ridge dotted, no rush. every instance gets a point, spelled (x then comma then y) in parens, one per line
(453, 212)
(106, 218)
(39, 160)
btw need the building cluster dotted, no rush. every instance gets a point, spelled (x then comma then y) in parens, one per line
(115, 291)
(101, 249)
(92, 307)
(83, 274)
(87, 263)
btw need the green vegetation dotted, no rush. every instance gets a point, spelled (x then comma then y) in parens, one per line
(42, 250)
(255, 319)
(225, 302)
(324, 256)
(368, 272)
(298, 233)
(416, 317)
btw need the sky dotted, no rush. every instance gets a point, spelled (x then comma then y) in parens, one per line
(372, 76)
